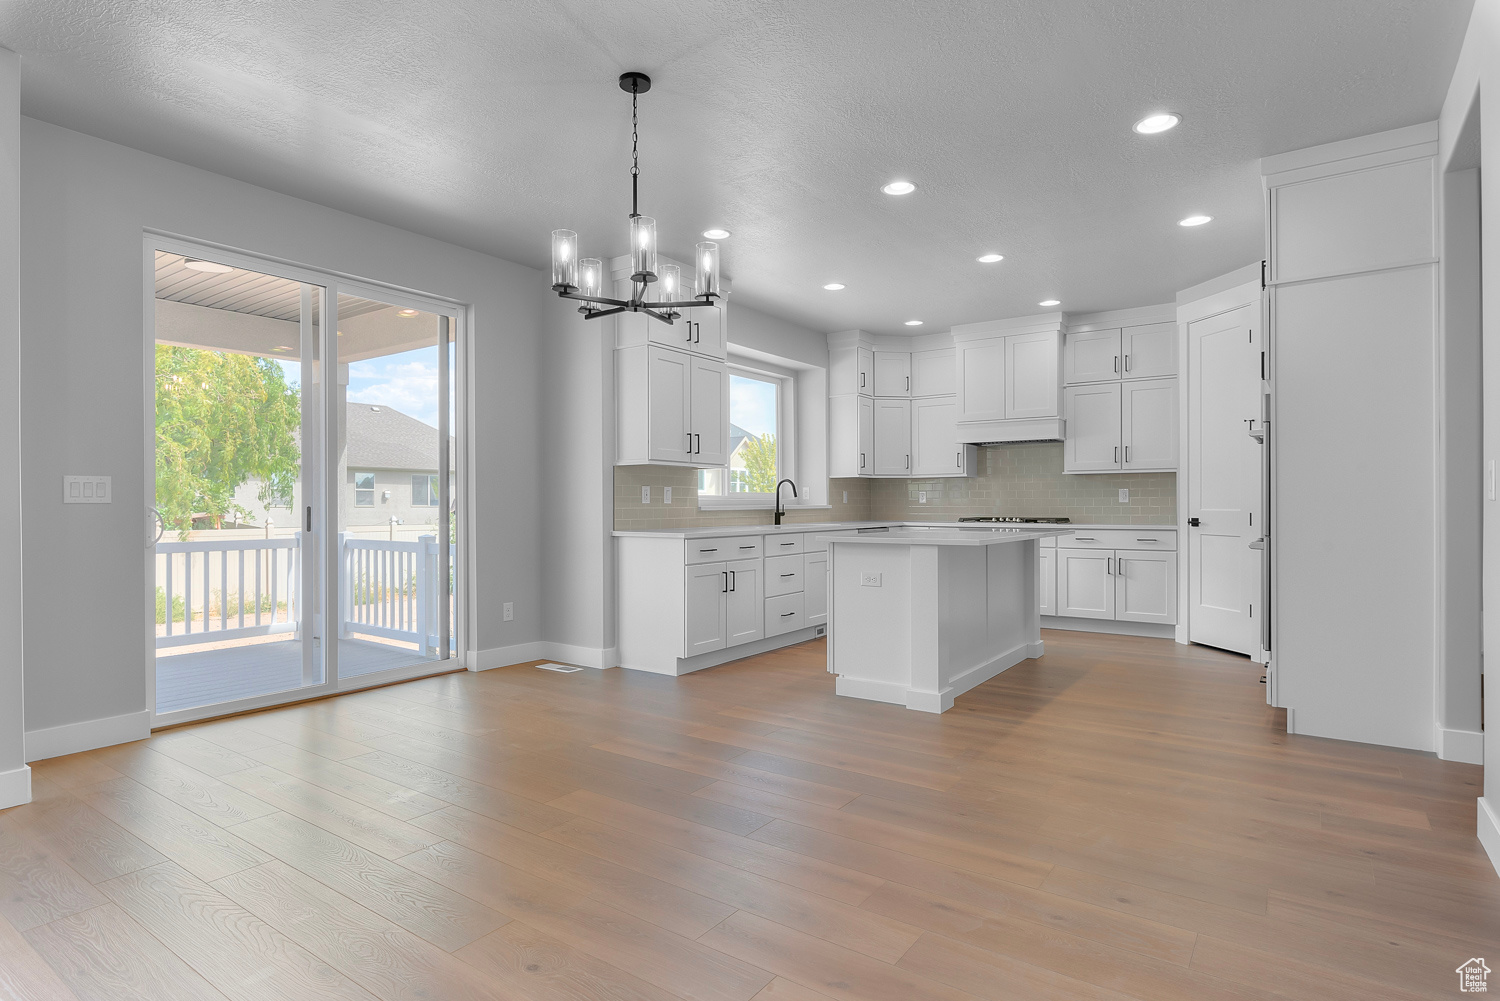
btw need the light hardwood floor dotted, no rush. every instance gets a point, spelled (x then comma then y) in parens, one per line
(1124, 818)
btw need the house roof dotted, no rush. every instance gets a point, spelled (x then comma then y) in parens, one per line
(737, 434)
(380, 437)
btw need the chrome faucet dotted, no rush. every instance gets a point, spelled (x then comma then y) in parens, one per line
(779, 509)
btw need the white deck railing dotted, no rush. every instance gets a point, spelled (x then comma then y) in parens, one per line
(224, 589)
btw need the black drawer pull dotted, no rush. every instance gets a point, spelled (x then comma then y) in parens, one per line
(785, 614)
(789, 575)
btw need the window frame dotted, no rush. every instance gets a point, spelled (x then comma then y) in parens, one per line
(785, 380)
(433, 496)
(371, 489)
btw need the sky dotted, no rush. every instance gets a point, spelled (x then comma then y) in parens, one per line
(406, 382)
(752, 404)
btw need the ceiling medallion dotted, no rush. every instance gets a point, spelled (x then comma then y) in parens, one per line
(584, 279)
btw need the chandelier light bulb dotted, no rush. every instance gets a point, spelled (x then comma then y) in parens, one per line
(591, 276)
(708, 269)
(668, 283)
(643, 239)
(564, 258)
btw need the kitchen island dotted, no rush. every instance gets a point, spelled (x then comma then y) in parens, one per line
(918, 617)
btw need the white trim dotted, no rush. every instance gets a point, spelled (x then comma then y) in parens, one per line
(525, 653)
(1134, 317)
(70, 738)
(1347, 149)
(1034, 324)
(1461, 745)
(584, 656)
(1489, 832)
(1117, 627)
(15, 787)
(1249, 274)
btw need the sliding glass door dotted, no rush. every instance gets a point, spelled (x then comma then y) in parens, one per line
(304, 530)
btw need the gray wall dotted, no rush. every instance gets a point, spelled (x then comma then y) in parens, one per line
(14, 789)
(83, 398)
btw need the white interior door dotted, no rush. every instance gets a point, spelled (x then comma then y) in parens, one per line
(1223, 480)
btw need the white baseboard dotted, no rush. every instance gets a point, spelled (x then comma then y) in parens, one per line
(15, 787)
(70, 738)
(1117, 627)
(522, 653)
(875, 691)
(1489, 832)
(1461, 745)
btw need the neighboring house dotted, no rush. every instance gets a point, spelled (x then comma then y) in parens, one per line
(389, 469)
(737, 472)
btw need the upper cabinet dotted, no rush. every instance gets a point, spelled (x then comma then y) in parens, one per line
(1120, 399)
(1091, 356)
(851, 371)
(981, 380)
(1143, 351)
(1148, 351)
(1031, 375)
(893, 373)
(1009, 386)
(933, 373)
(698, 330)
(672, 408)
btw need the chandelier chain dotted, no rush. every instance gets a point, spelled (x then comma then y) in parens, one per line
(635, 156)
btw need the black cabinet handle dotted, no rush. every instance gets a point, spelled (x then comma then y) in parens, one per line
(698, 442)
(726, 580)
(789, 574)
(785, 614)
(309, 525)
(733, 581)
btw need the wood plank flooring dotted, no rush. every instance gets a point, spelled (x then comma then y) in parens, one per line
(1122, 819)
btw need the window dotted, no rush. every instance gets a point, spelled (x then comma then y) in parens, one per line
(756, 446)
(424, 490)
(364, 489)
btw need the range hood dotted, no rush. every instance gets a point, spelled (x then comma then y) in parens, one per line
(1010, 432)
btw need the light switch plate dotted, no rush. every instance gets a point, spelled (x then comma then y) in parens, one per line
(508, 611)
(645, 495)
(1125, 496)
(87, 490)
(869, 580)
(921, 496)
(666, 495)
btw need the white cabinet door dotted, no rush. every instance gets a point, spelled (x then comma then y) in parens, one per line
(1149, 351)
(933, 438)
(708, 333)
(893, 373)
(744, 604)
(1093, 356)
(1046, 581)
(815, 588)
(1146, 587)
(1092, 432)
(1030, 376)
(934, 373)
(703, 613)
(866, 436)
(710, 412)
(1086, 583)
(981, 380)
(851, 436)
(892, 437)
(1148, 424)
(669, 410)
(865, 363)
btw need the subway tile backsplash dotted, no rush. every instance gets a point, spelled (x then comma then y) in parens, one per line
(1021, 479)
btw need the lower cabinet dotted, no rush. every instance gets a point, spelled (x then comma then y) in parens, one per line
(815, 588)
(1120, 584)
(1146, 587)
(1085, 583)
(722, 606)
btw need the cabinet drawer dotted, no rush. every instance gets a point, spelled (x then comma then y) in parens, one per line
(784, 613)
(783, 574)
(1120, 538)
(738, 547)
(780, 545)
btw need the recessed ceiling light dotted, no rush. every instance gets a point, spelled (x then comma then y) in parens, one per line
(1050, 302)
(913, 323)
(833, 287)
(990, 258)
(281, 347)
(1152, 124)
(899, 188)
(406, 312)
(716, 234)
(208, 266)
(1195, 220)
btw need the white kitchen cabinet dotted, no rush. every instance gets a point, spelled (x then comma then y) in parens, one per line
(1086, 583)
(1145, 587)
(934, 373)
(893, 373)
(1092, 415)
(1148, 425)
(1031, 385)
(934, 440)
(1046, 580)
(785, 613)
(1091, 356)
(1148, 351)
(851, 436)
(892, 437)
(744, 611)
(698, 329)
(980, 370)
(784, 574)
(671, 407)
(815, 588)
(705, 612)
(851, 370)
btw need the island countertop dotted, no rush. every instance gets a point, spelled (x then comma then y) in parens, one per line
(977, 536)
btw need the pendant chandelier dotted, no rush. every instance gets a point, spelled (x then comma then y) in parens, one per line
(585, 279)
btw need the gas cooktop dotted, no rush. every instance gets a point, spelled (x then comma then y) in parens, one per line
(1023, 521)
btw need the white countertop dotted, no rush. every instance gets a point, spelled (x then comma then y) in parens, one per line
(990, 536)
(813, 528)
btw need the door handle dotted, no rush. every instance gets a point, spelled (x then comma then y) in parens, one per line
(861, 380)
(1127, 455)
(1117, 454)
(908, 384)
(1117, 364)
(1195, 522)
(861, 460)
(1127, 363)
(908, 462)
(733, 580)
(1109, 566)
(698, 441)
(726, 581)
(690, 443)
(309, 520)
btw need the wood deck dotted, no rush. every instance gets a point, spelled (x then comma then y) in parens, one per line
(213, 677)
(1124, 818)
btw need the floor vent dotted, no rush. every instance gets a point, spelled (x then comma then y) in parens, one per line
(560, 668)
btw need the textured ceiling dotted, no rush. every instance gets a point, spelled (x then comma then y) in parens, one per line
(490, 124)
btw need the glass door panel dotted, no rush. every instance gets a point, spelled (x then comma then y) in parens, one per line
(236, 453)
(394, 452)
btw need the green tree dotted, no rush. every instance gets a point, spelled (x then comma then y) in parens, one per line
(760, 463)
(221, 419)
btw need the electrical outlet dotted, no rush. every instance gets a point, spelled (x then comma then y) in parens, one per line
(1125, 496)
(508, 611)
(846, 497)
(87, 490)
(921, 496)
(645, 495)
(666, 495)
(869, 580)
